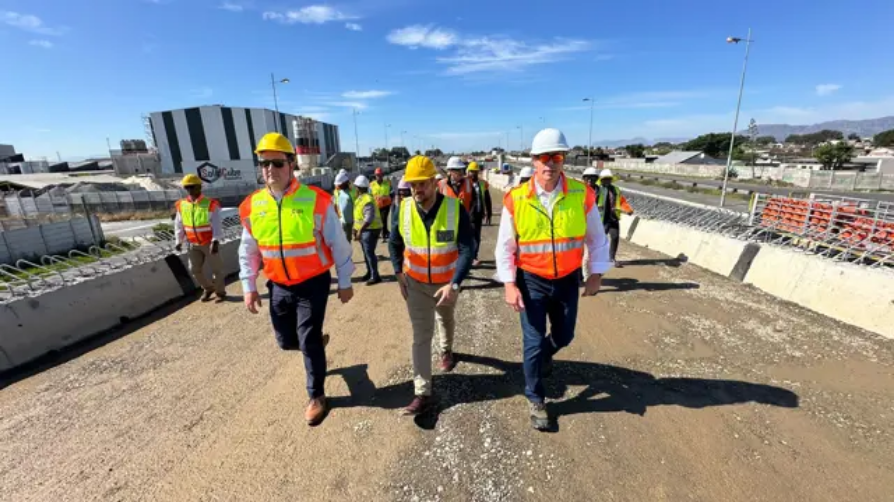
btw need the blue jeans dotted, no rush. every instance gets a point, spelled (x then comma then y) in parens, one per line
(368, 241)
(545, 299)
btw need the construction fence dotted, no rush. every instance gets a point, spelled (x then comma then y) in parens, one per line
(49, 239)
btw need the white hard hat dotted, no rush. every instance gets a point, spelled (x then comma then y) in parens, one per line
(526, 172)
(606, 173)
(342, 171)
(341, 178)
(362, 182)
(439, 177)
(590, 172)
(455, 163)
(549, 140)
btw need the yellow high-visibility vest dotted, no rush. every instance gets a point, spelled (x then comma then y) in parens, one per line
(430, 256)
(359, 204)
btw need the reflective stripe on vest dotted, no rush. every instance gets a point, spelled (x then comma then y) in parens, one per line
(601, 202)
(290, 233)
(550, 246)
(196, 219)
(426, 258)
(466, 192)
(359, 204)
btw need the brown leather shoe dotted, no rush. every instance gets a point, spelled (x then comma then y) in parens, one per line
(207, 295)
(316, 411)
(448, 361)
(420, 404)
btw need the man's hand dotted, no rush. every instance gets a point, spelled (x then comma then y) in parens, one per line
(215, 247)
(487, 221)
(252, 301)
(446, 294)
(592, 286)
(345, 295)
(356, 235)
(514, 297)
(402, 282)
(178, 247)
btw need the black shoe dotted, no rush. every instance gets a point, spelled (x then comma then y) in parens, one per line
(539, 417)
(546, 368)
(374, 281)
(366, 277)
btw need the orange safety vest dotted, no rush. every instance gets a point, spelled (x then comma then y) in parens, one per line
(550, 246)
(196, 218)
(465, 195)
(289, 233)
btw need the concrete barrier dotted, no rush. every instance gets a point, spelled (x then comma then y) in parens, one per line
(850, 293)
(32, 327)
(716, 253)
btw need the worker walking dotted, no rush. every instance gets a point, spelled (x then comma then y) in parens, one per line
(367, 227)
(544, 228)
(456, 184)
(382, 192)
(198, 222)
(482, 207)
(344, 204)
(351, 190)
(294, 231)
(431, 251)
(611, 204)
(403, 192)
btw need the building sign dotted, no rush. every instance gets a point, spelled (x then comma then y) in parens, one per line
(224, 172)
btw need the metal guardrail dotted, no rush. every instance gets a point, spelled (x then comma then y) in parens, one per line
(28, 279)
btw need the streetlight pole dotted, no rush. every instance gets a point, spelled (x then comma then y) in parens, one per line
(387, 152)
(590, 137)
(402, 144)
(275, 100)
(356, 137)
(732, 140)
(521, 139)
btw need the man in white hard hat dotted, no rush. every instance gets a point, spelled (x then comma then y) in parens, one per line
(457, 185)
(611, 204)
(591, 177)
(344, 204)
(367, 228)
(539, 258)
(525, 175)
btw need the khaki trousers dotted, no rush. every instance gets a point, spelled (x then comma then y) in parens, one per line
(421, 305)
(198, 255)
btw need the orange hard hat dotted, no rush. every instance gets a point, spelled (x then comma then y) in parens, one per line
(379, 171)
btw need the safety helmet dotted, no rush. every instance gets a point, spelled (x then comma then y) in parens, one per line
(191, 180)
(275, 142)
(455, 163)
(549, 140)
(526, 172)
(341, 178)
(606, 173)
(439, 177)
(403, 185)
(362, 182)
(419, 169)
(379, 171)
(591, 172)
(473, 166)
(342, 171)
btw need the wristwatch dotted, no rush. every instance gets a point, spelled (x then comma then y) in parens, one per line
(455, 287)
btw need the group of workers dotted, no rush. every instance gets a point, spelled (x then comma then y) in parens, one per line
(296, 233)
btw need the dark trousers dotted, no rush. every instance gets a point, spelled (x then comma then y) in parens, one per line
(553, 300)
(368, 241)
(297, 313)
(385, 221)
(613, 231)
(477, 222)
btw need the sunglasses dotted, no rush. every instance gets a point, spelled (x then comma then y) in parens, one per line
(276, 163)
(545, 158)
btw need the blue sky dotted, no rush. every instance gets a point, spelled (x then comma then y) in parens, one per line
(453, 73)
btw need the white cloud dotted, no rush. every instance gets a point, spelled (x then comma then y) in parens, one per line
(481, 54)
(827, 89)
(312, 14)
(232, 7)
(353, 27)
(28, 22)
(348, 104)
(366, 95)
(46, 44)
(202, 92)
(418, 35)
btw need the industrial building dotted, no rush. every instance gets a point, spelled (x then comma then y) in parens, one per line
(218, 142)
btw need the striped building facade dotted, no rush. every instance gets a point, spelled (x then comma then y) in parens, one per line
(189, 140)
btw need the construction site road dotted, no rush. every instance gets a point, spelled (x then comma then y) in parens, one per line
(679, 385)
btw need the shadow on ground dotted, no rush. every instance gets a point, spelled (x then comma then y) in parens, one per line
(610, 285)
(608, 388)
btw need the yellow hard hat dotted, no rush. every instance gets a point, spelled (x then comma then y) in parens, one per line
(190, 180)
(473, 166)
(419, 169)
(275, 142)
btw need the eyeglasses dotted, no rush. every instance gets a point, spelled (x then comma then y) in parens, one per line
(276, 163)
(555, 158)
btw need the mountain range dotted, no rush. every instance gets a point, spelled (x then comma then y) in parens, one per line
(864, 128)
(638, 139)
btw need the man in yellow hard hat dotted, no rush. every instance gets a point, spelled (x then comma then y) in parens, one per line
(482, 206)
(198, 223)
(431, 251)
(293, 229)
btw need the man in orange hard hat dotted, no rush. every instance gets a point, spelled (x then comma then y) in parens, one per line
(198, 223)
(294, 230)
(381, 190)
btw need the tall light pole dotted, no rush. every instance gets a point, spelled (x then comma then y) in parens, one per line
(275, 100)
(732, 139)
(387, 152)
(590, 137)
(402, 144)
(356, 137)
(521, 139)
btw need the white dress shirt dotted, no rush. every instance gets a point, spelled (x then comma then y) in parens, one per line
(507, 243)
(216, 227)
(333, 236)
